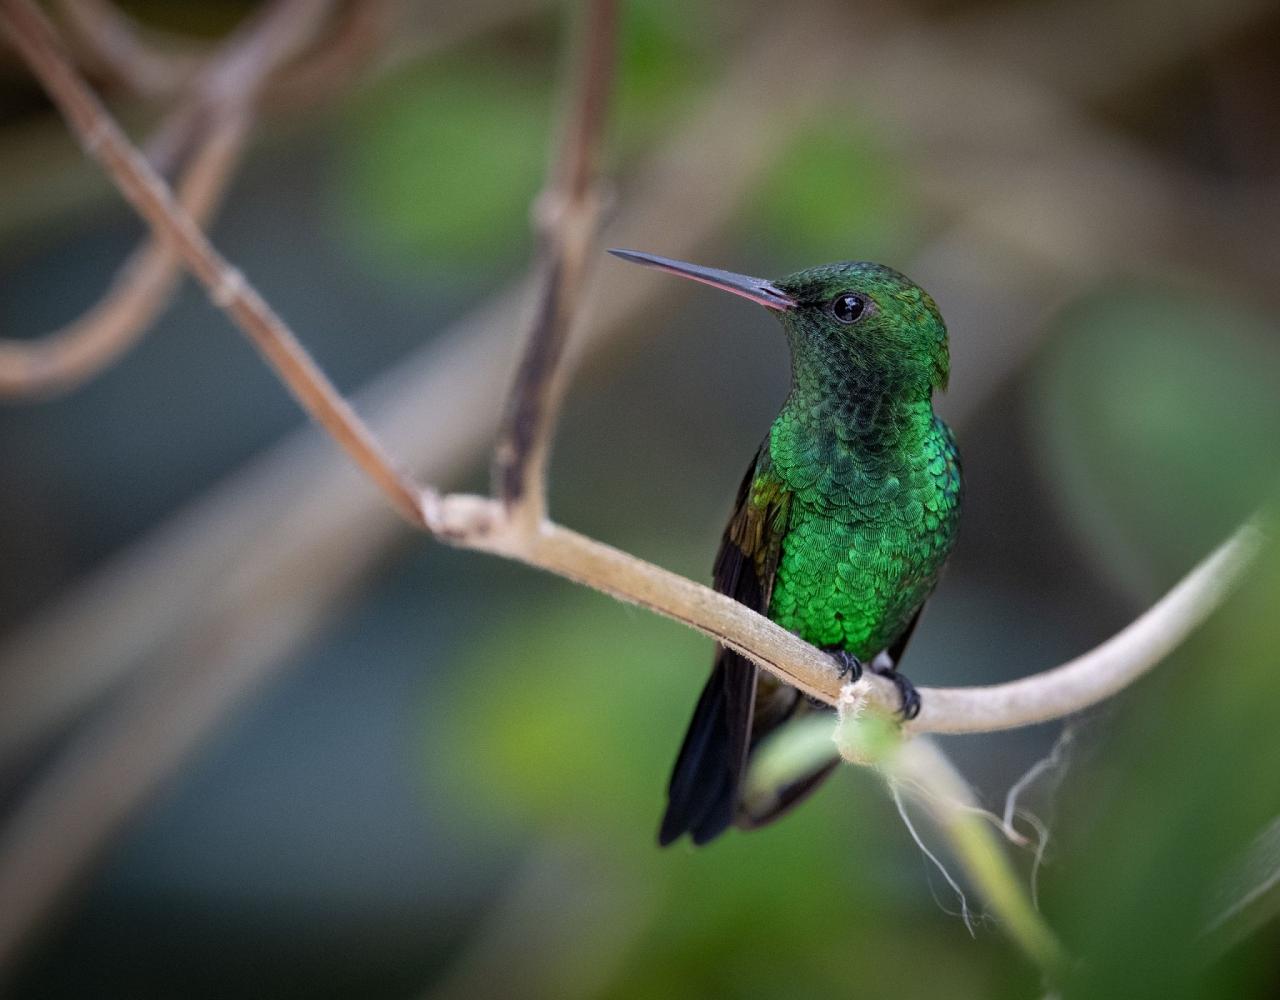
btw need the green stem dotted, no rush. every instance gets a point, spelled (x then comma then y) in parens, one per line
(922, 767)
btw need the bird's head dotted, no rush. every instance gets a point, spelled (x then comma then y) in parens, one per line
(853, 317)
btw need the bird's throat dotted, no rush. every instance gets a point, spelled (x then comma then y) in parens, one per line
(854, 427)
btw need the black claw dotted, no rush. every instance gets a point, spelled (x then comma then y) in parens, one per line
(910, 706)
(850, 666)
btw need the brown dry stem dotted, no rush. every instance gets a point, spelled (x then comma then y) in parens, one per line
(515, 526)
(487, 525)
(214, 122)
(568, 215)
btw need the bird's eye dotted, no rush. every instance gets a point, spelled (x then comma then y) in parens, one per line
(847, 307)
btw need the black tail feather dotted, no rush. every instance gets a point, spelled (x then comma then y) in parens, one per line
(702, 795)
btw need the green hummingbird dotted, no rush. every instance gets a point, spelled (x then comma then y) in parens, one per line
(841, 525)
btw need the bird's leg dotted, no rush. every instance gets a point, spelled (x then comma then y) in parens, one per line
(850, 667)
(909, 707)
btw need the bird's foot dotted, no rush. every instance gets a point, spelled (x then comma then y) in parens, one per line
(849, 666)
(909, 707)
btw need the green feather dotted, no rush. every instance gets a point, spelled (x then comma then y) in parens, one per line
(842, 524)
(874, 475)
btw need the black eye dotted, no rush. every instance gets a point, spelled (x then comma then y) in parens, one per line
(847, 307)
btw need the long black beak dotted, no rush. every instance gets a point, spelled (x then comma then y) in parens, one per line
(755, 289)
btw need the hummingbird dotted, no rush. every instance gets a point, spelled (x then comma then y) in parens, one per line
(841, 526)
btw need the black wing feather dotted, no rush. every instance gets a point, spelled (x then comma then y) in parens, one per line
(702, 796)
(737, 707)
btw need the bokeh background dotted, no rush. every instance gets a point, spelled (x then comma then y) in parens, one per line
(256, 739)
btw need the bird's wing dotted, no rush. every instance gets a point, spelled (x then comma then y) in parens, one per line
(703, 793)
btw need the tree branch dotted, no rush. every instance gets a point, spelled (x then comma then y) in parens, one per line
(215, 120)
(485, 525)
(361, 29)
(479, 523)
(568, 219)
(59, 361)
(114, 44)
(489, 525)
(230, 550)
(1109, 667)
(103, 139)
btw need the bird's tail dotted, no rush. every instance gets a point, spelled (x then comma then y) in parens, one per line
(702, 796)
(705, 795)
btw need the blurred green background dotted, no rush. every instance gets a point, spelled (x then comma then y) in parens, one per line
(447, 780)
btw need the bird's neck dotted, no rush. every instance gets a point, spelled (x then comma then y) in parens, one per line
(846, 418)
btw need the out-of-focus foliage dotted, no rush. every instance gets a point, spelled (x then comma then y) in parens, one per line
(836, 194)
(1154, 835)
(665, 55)
(553, 737)
(1160, 416)
(471, 742)
(438, 164)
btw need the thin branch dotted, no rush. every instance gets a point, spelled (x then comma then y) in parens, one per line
(475, 522)
(103, 139)
(479, 523)
(266, 41)
(362, 28)
(113, 43)
(483, 524)
(568, 216)
(1106, 669)
(57, 362)
(231, 550)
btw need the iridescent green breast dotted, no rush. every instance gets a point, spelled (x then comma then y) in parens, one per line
(868, 529)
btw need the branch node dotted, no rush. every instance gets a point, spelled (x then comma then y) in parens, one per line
(546, 210)
(863, 734)
(463, 518)
(230, 286)
(94, 136)
(853, 700)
